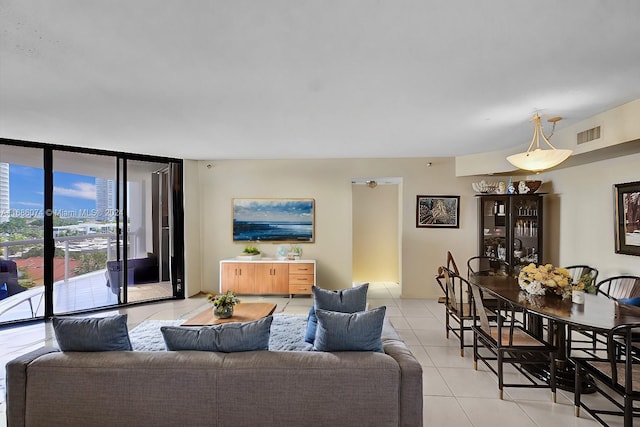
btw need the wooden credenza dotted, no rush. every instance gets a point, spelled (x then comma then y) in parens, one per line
(266, 276)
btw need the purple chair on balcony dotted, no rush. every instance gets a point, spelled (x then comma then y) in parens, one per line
(9, 285)
(139, 270)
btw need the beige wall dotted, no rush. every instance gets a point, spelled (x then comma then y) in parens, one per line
(328, 181)
(376, 229)
(581, 208)
(579, 223)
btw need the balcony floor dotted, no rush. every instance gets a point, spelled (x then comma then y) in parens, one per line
(82, 293)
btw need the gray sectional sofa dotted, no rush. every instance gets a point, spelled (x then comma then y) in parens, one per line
(193, 388)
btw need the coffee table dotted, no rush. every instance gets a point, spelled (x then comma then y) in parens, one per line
(242, 312)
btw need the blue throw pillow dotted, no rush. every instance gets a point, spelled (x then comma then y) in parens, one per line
(348, 300)
(3, 291)
(630, 301)
(360, 331)
(92, 333)
(225, 338)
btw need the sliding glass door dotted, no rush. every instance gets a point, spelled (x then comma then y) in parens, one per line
(83, 230)
(148, 227)
(21, 233)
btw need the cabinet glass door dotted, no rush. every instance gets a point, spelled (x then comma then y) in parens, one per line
(494, 227)
(526, 229)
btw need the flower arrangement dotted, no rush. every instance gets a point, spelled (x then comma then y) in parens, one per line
(228, 299)
(538, 280)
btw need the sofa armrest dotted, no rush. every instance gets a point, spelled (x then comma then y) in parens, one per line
(16, 371)
(411, 399)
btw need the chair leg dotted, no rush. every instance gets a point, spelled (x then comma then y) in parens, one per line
(446, 322)
(461, 338)
(500, 373)
(577, 390)
(475, 351)
(628, 412)
(552, 379)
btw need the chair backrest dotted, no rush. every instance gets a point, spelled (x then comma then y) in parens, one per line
(9, 266)
(625, 333)
(479, 309)
(452, 266)
(487, 266)
(451, 263)
(619, 287)
(580, 271)
(453, 293)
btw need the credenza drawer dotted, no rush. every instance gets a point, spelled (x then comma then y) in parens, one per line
(301, 279)
(300, 289)
(301, 268)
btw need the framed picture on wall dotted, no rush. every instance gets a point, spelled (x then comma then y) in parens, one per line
(627, 214)
(438, 211)
(273, 220)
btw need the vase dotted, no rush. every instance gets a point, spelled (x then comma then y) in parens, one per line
(577, 297)
(223, 311)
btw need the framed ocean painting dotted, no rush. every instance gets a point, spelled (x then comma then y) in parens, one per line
(273, 220)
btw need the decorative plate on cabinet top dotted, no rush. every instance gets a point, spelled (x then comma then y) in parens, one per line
(484, 187)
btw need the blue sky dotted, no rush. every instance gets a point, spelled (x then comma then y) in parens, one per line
(70, 191)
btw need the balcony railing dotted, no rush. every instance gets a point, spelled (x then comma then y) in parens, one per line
(81, 243)
(75, 293)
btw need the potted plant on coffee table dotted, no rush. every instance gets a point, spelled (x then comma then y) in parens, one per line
(223, 304)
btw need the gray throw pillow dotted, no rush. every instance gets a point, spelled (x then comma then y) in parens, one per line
(226, 338)
(92, 333)
(348, 300)
(360, 331)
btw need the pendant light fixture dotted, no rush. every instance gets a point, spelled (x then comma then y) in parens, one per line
(537, 159)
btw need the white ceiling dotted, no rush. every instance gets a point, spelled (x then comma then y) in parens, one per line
(257, 79)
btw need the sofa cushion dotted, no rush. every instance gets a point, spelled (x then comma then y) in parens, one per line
(92, 333)
(630, 301)
(349, 331)
(226, 338)
(348, 300)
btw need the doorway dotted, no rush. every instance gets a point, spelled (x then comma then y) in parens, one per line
(376, 230)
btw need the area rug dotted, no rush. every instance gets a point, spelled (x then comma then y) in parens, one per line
(287, 333)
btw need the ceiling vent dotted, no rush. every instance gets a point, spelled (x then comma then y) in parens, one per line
(589, 135)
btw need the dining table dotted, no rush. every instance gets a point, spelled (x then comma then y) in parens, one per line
(598, 314)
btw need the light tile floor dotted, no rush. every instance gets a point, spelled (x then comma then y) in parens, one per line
(455, 395)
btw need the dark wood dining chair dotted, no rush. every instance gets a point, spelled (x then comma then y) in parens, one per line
(616, 376)
(458, 313)
(618, 287)
(581, 272)
(507, 342)
(487, 266)
(582, 337)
